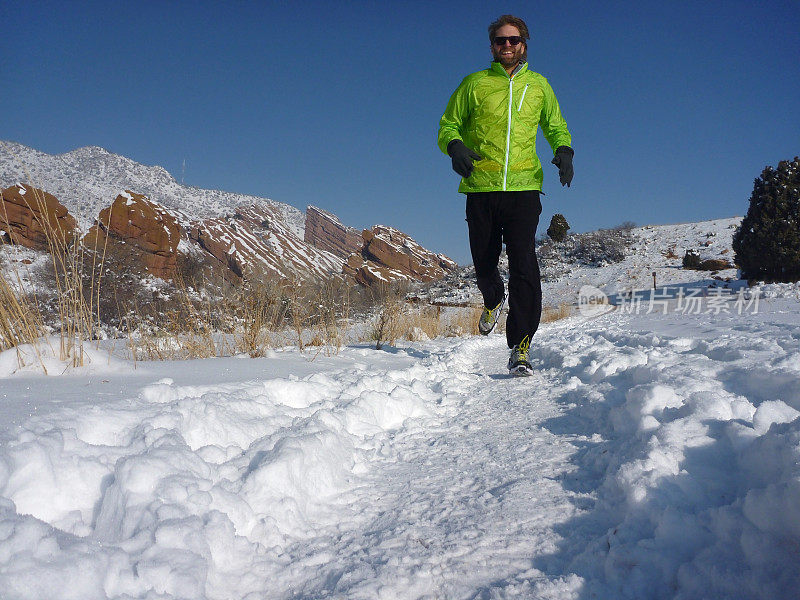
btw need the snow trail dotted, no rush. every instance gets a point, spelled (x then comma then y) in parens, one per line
(348, 483)
(649, 456)
(469, 502)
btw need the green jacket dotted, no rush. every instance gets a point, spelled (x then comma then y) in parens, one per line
(498, 116)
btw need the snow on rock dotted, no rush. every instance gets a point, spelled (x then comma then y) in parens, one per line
(389, 255)
(325, 231)
(256, 240)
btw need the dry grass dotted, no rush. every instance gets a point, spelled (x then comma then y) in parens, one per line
(464, 321)
(332, 316)
(186, 331)
(556, 313)
(77, 284)
(421, 323)
(77, 273)
(387, 327)
(261, 310)
(250, 319)
(414, 322)
(20, 322)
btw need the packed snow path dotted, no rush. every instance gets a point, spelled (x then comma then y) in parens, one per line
(648, 457)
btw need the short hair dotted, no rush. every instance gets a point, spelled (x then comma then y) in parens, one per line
(509, 20)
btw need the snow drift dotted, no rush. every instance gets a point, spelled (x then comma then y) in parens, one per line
(650, 456)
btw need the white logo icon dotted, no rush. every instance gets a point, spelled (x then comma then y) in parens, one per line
(593, 301)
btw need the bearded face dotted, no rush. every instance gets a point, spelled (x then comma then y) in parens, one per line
(508, 54)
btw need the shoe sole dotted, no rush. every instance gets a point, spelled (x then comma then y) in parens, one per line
(521, 371)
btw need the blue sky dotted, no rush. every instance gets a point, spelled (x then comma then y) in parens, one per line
(674, 108)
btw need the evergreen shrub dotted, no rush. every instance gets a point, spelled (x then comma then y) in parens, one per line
(767, 244)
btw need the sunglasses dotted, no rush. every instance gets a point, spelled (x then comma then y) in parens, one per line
(514, 40)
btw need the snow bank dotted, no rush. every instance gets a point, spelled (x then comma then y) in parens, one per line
(699, 468)
(44, 358)
(650, 456)
(193, 491)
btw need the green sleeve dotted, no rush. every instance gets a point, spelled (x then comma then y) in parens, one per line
(552, 123)
(455, 115)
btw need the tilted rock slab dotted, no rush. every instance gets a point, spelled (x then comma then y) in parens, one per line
(137, 221)
(35, 219)
(256, 240)
(369, 273)
(324, 230)
(389, 255)
(399, 252)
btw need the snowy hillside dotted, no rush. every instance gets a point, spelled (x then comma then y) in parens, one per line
(88, 179)
(649, 456)
(658, 248)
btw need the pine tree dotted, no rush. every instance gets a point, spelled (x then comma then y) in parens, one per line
(767, 244)
(558, 228)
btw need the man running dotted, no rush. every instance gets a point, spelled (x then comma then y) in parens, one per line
(489, 130)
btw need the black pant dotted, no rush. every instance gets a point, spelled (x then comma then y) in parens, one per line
(510, 217)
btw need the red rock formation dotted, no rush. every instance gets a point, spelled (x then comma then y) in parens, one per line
(137, 221)
(378, 254)
(255, 240)
(29, 216)
(368, 273)
(325, 231)
(399, 252)
(217, 237)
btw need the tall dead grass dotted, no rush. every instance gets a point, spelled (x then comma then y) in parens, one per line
(415, 322)
(261, 313)
(422, 322)
(388, 322)
(332, 314)
(556, 313)
(20, 321)
(261, 309)
(188, 328)
(77, 283)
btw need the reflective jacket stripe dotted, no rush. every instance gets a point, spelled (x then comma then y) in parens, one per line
(519, 108)
(508, 130)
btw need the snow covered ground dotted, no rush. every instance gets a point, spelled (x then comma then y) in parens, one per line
(655, 249)
(651, 455)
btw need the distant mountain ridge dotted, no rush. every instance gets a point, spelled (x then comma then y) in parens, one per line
(88, 179)
(244, 234)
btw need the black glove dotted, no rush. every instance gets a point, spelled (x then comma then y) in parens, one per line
(563, 160)
(462, 157)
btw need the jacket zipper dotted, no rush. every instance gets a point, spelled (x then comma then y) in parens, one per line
(519, 108)
(508, 130)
